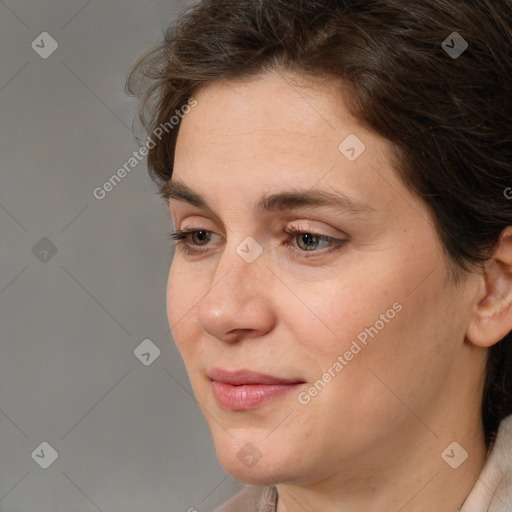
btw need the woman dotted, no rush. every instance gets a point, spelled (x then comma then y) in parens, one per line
(341, 288)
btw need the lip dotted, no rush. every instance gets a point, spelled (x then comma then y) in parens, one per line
(244, 390)
(241, 377)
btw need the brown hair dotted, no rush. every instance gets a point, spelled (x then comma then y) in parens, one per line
(448, 116)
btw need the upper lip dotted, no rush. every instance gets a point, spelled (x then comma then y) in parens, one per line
(240, 377)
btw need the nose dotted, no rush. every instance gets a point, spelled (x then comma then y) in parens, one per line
(239, 303)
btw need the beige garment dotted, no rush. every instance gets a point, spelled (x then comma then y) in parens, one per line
(252, 498)
(492, 491)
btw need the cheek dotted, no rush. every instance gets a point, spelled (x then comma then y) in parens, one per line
(379, 318)
(393, 343)
(183, 295)
(332, 313)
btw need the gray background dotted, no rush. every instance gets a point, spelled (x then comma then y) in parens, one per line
(129, 436)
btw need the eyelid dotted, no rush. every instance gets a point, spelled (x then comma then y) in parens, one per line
(180, 210)
(291, 228)
(307, 226)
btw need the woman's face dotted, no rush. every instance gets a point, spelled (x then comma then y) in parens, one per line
(368, 329)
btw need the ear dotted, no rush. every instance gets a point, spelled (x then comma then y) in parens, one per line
(491, 319)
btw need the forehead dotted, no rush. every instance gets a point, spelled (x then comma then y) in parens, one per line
(274, 108)
(250, 138)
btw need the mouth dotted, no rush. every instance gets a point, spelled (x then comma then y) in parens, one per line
(244, 390)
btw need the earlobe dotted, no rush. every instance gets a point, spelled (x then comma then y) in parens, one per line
(491, 319)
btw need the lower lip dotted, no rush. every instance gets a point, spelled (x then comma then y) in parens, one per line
(248, 396)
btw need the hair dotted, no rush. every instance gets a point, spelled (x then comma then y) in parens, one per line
(448, 117)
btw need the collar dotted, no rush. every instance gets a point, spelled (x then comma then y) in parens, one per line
(492, 491)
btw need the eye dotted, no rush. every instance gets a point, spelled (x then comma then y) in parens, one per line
(182, 239)
(308, 241)
(201, 235)
(191, 241)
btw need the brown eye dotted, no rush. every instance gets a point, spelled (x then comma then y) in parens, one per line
(303, 242)
(200, 236)
(185, 240)
(307, 241)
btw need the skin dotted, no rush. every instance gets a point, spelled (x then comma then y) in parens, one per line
(372, 439)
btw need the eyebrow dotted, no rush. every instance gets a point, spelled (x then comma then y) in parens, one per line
(280, 201)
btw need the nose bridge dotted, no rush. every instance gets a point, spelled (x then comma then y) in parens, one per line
(240, 268)
(237, 297)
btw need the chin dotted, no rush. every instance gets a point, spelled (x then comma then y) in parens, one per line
(259, 474)
(247, 463)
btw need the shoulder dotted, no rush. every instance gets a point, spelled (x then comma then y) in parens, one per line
(251, 498)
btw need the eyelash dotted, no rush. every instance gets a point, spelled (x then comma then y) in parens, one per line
(182, 236)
